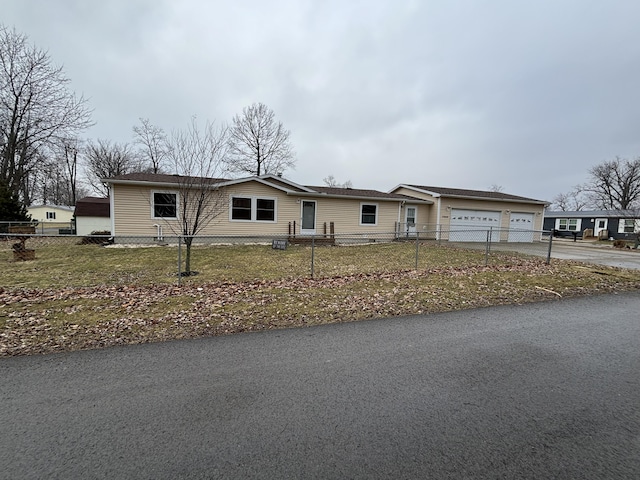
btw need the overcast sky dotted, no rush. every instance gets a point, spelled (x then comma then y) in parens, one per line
(451, 93)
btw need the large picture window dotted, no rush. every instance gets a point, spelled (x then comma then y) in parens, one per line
(252, 209)
(368, 214)
(165, 205)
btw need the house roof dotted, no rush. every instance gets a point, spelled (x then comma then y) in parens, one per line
(161, 178)
(52, 207)
(474, 194)
(93, 207)
(364, 193)
(592, 214)
(282, 184)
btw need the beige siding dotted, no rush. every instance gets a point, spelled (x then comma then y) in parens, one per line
(448, 203)
(39, 213)
(346, 216)
(427, 214)
(133, 216)
(505, 208)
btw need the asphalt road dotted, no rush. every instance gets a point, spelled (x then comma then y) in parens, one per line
(547, 390)
(584, 252)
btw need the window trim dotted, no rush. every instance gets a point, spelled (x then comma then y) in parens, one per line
(375, 223)
(568, 227)
(153, 204)
(254, 208)
(231, 219)
(275, 216)
(622, 225)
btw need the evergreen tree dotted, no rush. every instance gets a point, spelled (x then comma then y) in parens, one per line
(11, 210)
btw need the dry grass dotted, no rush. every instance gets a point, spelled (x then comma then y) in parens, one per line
(75, 297)
(62, 263)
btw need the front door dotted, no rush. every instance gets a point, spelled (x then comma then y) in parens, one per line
(410, 218)
(308, 223)
(600, 225)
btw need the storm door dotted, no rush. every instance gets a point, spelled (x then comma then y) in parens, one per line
(308, 223)
(410, 220)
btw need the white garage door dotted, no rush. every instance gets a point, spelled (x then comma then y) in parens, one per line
(473, 225)
(521, 227)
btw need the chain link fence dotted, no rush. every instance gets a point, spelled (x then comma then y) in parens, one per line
(36, 227)
(102, 258)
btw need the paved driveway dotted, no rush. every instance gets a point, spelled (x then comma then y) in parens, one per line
(602, 255)
(547, 390)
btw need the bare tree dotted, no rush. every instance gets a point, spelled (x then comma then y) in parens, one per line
(68, 154)
(153, 145)
(36, 110)
(615, 184)
(198, 157)
(496, 188)
(55, 181)
(258, 144)
(576, 200)
(50, 183)
(104, 159)
(331, 181)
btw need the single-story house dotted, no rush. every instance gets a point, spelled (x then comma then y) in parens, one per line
(92, 214)
(603, 224)
(467, 215)
(149, 205)
(51, 213)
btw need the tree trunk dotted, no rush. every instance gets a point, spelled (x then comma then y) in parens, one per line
(187, 261)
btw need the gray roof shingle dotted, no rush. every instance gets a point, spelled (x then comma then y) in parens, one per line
(460, 192)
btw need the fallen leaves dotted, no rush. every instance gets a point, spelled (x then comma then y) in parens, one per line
(60, 319)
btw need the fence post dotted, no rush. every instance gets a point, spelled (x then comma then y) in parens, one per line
(313, 252)
(179, 260)
(417, 247)
(549, 250)
(486, 251)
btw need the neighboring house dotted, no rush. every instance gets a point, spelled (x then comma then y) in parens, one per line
(92, 214)
(601, 223)
(142, 204)
(51, 213)
(467, 215)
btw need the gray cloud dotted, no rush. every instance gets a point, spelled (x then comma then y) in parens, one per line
(456, 93)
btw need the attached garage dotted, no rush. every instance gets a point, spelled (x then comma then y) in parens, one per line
(474, 225)
(462, 215)
(521, 227)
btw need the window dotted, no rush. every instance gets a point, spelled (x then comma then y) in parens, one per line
(240, 208)
(368, 214)
(266, 210)
(628, 225)
(165, 205)
(568, 224)
(51, 215)
(251, 209)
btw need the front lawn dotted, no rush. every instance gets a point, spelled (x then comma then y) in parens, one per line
(76, 297)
